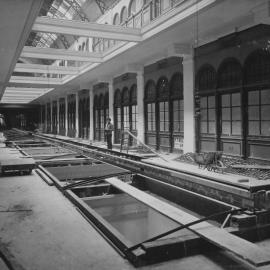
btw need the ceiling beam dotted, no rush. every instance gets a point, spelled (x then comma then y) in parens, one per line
(48, 69)
(61, 54)
(86, 29)
(16, 99)
(35, 80)
(17, 19)
(27, 89)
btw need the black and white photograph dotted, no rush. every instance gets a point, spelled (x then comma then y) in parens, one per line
(134, 134)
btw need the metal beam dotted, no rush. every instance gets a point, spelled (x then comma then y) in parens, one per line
(48, 69)
(61, 54)
(35, 80)
(86, 29)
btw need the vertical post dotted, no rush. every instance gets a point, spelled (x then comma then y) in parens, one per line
(91, 105)
(40, 117)
(58, 124)
(111, 95)
(51, 127)
(66, 115)
(77, 115)
(140, 103)
(189, 113)
(45, 120)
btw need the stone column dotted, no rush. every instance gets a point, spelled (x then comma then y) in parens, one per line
(58, 124)
(140, 103)
(189, 113)
(77, 116)
(91, 105)
(66, 115)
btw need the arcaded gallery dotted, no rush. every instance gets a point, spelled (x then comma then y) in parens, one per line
(134, 134)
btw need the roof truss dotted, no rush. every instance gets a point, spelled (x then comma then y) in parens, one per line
(61, 54)
(49, 69)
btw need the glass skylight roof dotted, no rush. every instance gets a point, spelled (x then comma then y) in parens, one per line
(64, 9)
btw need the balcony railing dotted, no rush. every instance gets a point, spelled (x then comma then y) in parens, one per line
(148, 13)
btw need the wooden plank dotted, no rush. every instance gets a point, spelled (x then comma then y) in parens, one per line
(79, 171)
(219, 237)
(251, 166)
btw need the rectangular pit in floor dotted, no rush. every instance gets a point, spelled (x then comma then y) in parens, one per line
(127, 221)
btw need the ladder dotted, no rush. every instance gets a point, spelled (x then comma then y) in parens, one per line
(125, 140)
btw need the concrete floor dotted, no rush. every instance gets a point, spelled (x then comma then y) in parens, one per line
(41, 229)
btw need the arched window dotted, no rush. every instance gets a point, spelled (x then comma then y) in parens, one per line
(96, 118)
(87, 109)
(229, 74)
(132, 7)
(106, 106)
(125, 105)
(116, 19)
(206, 78)
(257, 77)
(163, 104)
(48, 117)
(134, 107)
(257, 67)
(117, 114)
(124, 15)
(101, 116)
(176, 91)
(150, 98)
(230, 77)
(206, 81)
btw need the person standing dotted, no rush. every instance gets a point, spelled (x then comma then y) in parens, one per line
(108, 133)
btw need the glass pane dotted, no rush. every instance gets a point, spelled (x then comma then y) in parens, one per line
(253, 128)
(226, 127)
(226, 114)
(226, 100)
(203, 102)
(254, 113)
(236, 128)
(253, 97)
(212, 114)
(236, 100)
(176, 105)
(236, 113)
(265, 112)
(166, 116)
(161, 106)
(161, 116)
(212, 127)
(211, 102)
(176, 126)
(176, 115)
(203, 127)
(265, 96)
(265, 128)
(182, 126)
(161, 126)
(166, 126)
(204, 115)
(181, 104)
